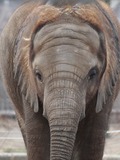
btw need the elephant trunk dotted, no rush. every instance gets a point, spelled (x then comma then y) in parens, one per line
(63, 130)
(64, 111)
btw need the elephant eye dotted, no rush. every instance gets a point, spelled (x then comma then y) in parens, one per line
(92, 73)
(39, 76)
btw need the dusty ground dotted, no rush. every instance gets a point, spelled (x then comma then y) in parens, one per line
(11, 140)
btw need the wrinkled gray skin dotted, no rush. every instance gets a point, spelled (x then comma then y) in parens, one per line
(68, 75)
(67, 66)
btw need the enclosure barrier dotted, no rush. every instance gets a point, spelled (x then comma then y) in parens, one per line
(22, 156)
(111, 157)
(13, 156)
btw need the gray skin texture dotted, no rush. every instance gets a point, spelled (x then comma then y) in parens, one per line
(61, 78)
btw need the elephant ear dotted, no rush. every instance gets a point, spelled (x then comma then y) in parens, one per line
(110, 76)
(23, 72)
(101, 18)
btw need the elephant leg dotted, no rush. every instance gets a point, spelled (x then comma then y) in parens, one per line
(21, 123)
(91, 137)
(94, 137)
(37, 135)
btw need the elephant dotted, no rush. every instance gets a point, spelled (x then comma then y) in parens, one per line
(60, 63)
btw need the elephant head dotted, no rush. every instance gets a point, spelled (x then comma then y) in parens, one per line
(71, 58)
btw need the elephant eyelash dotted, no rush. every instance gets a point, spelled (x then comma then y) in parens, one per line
(39, 76)
(93, 73)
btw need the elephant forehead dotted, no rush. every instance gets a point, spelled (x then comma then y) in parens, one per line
(64, 58)
(60, 32)
(66, 54)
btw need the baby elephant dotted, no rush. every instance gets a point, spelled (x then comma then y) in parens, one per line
(60, 62)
